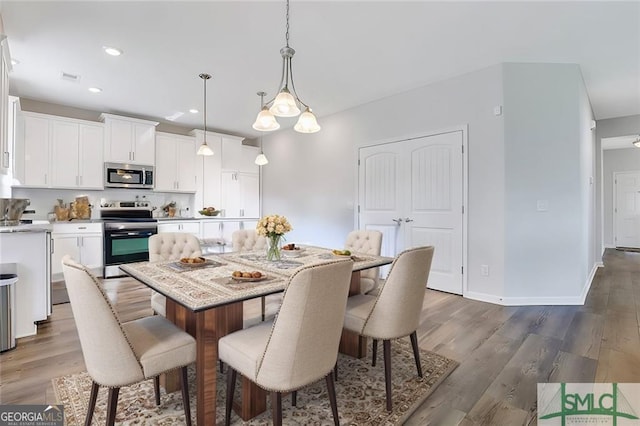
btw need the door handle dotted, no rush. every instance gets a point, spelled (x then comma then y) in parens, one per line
(408, 220)
(398, 221)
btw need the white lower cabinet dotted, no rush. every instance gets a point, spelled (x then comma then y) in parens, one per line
(82, 241)
(187, 226)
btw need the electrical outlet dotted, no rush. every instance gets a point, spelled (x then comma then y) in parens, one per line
(484, 270)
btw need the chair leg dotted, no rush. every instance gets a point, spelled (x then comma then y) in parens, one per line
(294, 398)
(335, 372)
(263, 303)
(156, 389)
(386, 346)
(92, 403)
(416, 352)
(112, 404)
(374, 353)
(331, 390)
(185, 396)
(276, 408)
(231, 388)
(221, 366)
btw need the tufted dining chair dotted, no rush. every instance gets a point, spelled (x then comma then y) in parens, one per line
(298, 347)
(170, 246)
(119, 354)
(247, 240)
(395, 311)
(366, 242)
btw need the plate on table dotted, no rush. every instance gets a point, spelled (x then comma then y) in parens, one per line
(249, 279)
(292, 253)
(194, 262)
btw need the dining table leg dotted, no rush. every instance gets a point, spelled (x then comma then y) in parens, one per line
(351, 343)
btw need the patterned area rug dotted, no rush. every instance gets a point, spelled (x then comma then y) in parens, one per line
(360, 391)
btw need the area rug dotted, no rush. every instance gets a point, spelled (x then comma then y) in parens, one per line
(360, 392)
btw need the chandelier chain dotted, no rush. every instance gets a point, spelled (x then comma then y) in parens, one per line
(286, 36)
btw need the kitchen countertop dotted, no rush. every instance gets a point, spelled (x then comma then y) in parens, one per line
(33, 227)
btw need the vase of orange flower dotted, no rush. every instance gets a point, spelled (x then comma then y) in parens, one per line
(273, 227)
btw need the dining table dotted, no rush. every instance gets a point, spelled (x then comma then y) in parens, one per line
(207, 301)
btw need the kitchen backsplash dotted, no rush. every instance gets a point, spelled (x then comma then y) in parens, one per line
(43, 200)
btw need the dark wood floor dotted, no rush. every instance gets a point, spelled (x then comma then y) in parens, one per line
(503, 351)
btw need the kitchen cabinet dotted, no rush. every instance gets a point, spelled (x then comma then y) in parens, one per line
(208, 172)
(59, 152)
(76, 154)
(187, 226)
(82, 241)
(240, 194)
(237, 157)
(129, 140)
(176, 161)
(5, 140)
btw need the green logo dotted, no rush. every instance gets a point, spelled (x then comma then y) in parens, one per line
(582, 401)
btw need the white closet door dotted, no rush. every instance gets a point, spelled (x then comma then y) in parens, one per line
(627, 209)
(412, 191)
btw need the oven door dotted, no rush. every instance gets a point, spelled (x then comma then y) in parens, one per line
(126, 244)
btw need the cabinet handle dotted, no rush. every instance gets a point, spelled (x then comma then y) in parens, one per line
(82, 227)
(133, 154)
(77, 181)
(241, 212)
(398, 221)
(45, 178)
(53, 245)
(408, 220)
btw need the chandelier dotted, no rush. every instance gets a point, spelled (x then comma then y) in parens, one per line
(287, 103)
(204, 148)
(261, 159)
(636, 143)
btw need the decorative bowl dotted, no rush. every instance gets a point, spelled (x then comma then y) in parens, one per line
(209, 212)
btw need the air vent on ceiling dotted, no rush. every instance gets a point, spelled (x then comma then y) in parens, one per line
(70, 77)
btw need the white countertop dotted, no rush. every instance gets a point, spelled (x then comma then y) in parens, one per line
(36, 226)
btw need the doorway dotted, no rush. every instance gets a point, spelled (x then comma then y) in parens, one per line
(626, 209)
(413, 192)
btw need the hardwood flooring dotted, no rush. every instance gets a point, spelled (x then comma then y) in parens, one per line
(503, 351)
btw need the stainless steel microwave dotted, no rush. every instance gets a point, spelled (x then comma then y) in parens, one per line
(135, 176)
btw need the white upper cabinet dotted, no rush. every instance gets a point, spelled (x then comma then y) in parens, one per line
(238, 157)
(129, 140)
(208, 172)
(58, 152)
(176, 161)
(5, 140)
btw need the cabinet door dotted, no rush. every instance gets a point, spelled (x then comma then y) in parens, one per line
(144, 147)
(64, 155)
(36, 152)
(211, 229)
(249, 189)
(208, 194)
(91, 249)
(231, 197)
(238, 157)
(5, 152)
(165, 172)
(186, 164)
(90, 164)
(168, 227)
(63, 244)
(119, 141)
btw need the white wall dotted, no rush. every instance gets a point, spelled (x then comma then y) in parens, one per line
(615, 160)
(312, 179)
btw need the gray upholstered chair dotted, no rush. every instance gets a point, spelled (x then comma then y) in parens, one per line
(365, 242)
(395, 311)
(300, 346)
(247, 240)
(120, 354)
(170, 246)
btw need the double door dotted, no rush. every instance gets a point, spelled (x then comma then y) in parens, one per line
(412, 191)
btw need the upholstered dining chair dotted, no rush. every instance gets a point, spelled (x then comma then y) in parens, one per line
(170, 246)
(119, 354)
(298, 347)
(247, 240)
(395, 311)
(366, 242)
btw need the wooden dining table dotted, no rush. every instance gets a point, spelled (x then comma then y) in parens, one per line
(207, 302)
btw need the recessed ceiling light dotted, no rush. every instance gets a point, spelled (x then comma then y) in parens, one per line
(112, 51)
(193, 111)
(95, 89)
(14, 62)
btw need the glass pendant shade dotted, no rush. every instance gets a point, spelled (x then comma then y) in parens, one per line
(205, 150)
(284, 105)
(261, 159)
(266, 122)
(637, 143)
(307, 123)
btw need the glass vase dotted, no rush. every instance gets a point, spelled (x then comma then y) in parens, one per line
(273, 247)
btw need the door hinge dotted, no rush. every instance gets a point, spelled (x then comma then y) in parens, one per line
(358, 208)
(358, 162)
(462, 209)
(462, 149)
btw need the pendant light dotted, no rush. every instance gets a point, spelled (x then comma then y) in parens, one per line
(204, 148)
(287, 103)
(261, 159)
(636, 143)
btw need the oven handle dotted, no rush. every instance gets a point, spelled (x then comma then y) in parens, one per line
(131, 234)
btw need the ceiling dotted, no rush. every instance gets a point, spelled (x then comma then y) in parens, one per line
(348, 53)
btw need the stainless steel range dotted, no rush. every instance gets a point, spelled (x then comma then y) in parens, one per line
(127, 228)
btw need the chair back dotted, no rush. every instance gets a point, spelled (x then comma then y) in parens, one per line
(107, 352)
(173, 246)
(246, 240)
(396, 312)
(366, 242)
(303, 346)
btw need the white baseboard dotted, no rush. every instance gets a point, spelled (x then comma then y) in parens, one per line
(542, 300)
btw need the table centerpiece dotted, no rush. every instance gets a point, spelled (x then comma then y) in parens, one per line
(273, 227)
